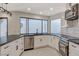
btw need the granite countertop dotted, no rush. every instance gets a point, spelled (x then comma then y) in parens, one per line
(75, 41)
(15, 37)
(34, 34)
(69, 38)
(10, 38)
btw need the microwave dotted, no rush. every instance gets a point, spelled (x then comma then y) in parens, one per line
(72, 14)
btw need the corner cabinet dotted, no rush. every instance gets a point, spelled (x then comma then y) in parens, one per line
(14, 48)
(73, 49)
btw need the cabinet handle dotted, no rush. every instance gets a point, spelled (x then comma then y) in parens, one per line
(73, 46)
(40, 39)
(6, 47)
(17, 47)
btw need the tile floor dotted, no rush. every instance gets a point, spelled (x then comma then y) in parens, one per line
(46, 51)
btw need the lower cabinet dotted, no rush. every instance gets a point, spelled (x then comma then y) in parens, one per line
(6, 50)
(14, 48)
(73, 49)
(46, 40)
(20, 45)
(40, 41)
(54, 42)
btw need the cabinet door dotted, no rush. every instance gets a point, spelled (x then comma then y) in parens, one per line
(45, 40)
(73, 49)
(21, 45)
(37, 41)
(55, 42)
(40, 41)
(6, 50)
(14, 48)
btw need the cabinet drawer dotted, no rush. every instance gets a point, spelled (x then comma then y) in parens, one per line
(4, 47)
(73, 46)
(5, 50)
(5, 54)
(73, 49)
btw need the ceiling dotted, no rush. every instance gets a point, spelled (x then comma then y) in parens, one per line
(37, 8)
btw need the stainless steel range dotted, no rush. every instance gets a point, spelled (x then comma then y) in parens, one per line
(64, 46)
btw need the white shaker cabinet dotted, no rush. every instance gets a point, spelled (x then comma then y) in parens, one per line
(73, 49)
(40, 41)
(6, 50)
(14, 48)
(20, 45)
(54, 42)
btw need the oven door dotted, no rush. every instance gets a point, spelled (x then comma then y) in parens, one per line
(63, 48)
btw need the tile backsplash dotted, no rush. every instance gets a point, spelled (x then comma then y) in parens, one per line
(72, 27)
(73, 31)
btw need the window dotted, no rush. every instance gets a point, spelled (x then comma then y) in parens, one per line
(34, 26)
(3, 30)
(45, 26)
(56, 26)
(23, 25)
(28, 25)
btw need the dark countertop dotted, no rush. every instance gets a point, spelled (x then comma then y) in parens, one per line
(34, 34)
(10, 38)
(75, 41)
(15, 37)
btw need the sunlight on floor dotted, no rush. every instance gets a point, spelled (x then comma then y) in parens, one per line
(47, 51)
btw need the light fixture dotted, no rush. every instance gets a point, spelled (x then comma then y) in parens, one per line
(2, 9)
(51, 9)
(41, 12)
(28, 9)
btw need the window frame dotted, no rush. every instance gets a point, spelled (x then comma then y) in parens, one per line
(7, 25)
(34, 19)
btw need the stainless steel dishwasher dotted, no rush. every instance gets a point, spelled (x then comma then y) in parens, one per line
(28, 43)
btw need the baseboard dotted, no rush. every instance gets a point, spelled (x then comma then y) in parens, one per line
(28, 49)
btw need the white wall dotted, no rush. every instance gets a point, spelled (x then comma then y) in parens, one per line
(13, 21)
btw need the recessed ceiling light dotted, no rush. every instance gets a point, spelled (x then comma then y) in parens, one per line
(29, 9)
(40, 12)
(51, 9)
